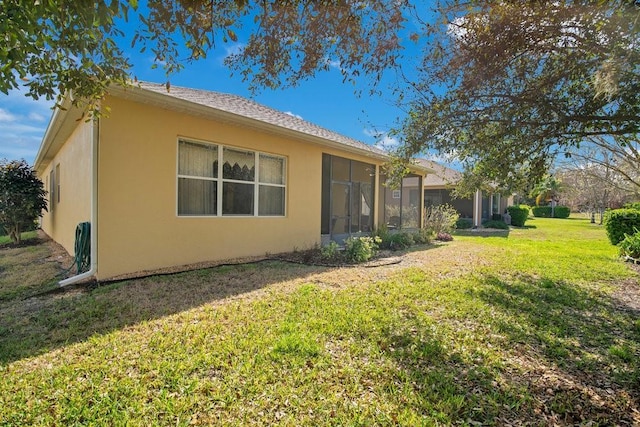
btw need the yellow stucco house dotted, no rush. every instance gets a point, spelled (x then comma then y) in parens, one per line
(189, 176)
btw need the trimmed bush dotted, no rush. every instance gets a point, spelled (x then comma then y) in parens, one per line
(634, 205)
(495, 224)
(630, 245)
(541, 211)
(545, 212)
(464, 223)
(562, 212)
(619, 222)
(519, 214)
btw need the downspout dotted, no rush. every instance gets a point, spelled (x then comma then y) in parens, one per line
(95, 135)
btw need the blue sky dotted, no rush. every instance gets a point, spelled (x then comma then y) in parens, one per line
(324, 100)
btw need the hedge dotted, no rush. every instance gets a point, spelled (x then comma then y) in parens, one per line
(464, 223)
(545, 212)
(619, 222)
(519, 214)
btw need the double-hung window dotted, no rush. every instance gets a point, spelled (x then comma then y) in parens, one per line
(216, 180)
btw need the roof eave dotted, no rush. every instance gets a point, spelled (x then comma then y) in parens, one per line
(58, 124)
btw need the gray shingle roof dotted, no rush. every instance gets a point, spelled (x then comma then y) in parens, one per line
(441, 175)
(249, 109)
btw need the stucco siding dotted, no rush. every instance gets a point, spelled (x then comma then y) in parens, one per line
(138, 225)
(73, 203)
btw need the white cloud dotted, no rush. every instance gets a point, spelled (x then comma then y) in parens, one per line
(36, 117)
(233, 49)
(333, 64)
(297, 116)
(23, 123)
(383, 140)
(6, 116)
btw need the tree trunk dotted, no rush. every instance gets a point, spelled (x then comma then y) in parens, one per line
(15, 235)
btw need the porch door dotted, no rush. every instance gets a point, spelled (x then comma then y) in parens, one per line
(340, 210)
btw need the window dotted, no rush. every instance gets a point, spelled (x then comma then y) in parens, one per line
(58, 182)
(52, 190)
(214, 180)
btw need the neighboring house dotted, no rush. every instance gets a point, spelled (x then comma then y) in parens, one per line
(188, 176)
(438, 187)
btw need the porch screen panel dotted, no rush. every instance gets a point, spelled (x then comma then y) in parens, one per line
(410, 211)
(363, 178)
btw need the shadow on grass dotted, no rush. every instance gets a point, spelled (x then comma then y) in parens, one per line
(482, 233)
(588, 342)
(32, 326)
(451, 387)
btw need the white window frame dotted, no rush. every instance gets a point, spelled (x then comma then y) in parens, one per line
(221, 180)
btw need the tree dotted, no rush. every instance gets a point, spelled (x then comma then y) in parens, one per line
(619, 156)
(595, 180)
(509, 86)
(548, 191)
(71, 46)
(22, 197)
(505, 87)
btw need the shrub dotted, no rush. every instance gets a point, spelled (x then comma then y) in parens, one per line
(562, 212)
(619, 222)
(400, 241)
(22, 198)
(495, 224)
(541, 211)
(519, 214)
(444, 237)
(422, 236)
(441, 218)
(464, 223)
(361, 249)
(545, 212)
(634, 205)
(331, 251)
(630, 245)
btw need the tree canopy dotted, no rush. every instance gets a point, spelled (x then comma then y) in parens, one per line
(22, 197)
(506, 87)
(73, 46)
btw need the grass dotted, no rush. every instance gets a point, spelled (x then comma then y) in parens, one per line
(527, 329)
(27, 235)
(25, 270)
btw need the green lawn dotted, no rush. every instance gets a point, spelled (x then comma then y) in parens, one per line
(533, 331)
(4, 239)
